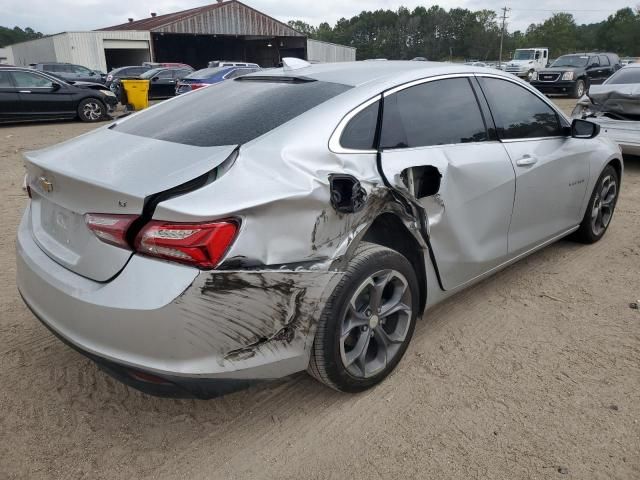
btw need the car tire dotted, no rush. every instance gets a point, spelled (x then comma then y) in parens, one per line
(92, 110)
(355, 346)
(600, 208)
(579, 89)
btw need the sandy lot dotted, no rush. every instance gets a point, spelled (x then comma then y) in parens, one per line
(534, 373)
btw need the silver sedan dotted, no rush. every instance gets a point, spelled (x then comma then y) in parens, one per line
(299, 218)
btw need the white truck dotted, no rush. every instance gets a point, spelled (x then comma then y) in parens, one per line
(525, 61)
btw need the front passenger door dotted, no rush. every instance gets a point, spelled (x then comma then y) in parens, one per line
(552, 169)
(9, 98)
(437, 128)
(39, 97)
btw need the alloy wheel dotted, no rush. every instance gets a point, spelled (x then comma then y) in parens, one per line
(376, 323)
(92, 111)
(603, 205)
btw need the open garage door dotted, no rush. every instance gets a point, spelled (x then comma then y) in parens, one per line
(121, 53)
(198, 50)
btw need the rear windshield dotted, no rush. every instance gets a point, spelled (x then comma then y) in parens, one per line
(229, 113)
(624, 76)
(206, 72)
(151, 73)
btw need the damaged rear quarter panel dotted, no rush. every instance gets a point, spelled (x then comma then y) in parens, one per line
(250, 317)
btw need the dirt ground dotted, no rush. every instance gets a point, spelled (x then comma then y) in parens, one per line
(532, 374)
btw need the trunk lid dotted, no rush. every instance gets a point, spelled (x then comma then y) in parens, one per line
(103, 172)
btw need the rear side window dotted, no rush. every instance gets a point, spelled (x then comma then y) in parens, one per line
(519, 113)
(5, 80)
(360, 132)
(230, 113)
(435, 113)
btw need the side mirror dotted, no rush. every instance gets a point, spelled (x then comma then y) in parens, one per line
(154, 79)
(55, 87)
(92, 73)
(584, 129)
(594, 65)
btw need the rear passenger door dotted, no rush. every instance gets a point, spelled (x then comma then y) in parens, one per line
(605, 67)
(552, 168)
(439, 125)
(594, 72)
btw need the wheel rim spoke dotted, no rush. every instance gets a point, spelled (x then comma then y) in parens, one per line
(359, 351)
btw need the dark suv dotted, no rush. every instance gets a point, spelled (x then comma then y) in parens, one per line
(71, 72)
(573, 74)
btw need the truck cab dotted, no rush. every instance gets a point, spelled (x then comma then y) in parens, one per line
(525, 61)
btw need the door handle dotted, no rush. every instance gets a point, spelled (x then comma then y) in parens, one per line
(24, 91)
(527, 161)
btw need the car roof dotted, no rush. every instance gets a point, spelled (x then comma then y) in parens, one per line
(380, 72)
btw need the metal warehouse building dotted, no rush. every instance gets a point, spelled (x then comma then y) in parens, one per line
(226, 30)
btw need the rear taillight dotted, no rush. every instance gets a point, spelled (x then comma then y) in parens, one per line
(195, 86)
(200, 244)
(111, 229)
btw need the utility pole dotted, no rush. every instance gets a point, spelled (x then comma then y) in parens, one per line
(504, 20)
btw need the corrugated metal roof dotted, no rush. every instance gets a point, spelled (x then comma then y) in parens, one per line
(252, 22)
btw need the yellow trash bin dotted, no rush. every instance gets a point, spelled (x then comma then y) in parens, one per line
(137, 93)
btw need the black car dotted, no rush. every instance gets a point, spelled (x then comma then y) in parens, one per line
(70, 72)
(26, 94)
(573, 74)
(163, 80)
(117, 73)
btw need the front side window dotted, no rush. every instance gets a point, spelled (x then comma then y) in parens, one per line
(604, 60)
(31, 80)
(594, 62)
(518, 113)
(434, 113)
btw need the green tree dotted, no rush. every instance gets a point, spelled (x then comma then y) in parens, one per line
(13, 35)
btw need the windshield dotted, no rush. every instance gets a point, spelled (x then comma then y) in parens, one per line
(624, 77)
(571, 61)
(229, 113)
(524, 55)
(151, 73)
(206, 72)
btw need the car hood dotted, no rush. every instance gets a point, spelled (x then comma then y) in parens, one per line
(561, 69)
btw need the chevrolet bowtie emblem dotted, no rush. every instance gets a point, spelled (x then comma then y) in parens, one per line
(46, 184)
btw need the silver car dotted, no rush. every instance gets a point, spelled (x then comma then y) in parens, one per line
(299, 218)
(615, 106)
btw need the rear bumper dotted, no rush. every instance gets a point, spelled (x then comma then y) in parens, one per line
(560, 87)
(187, 326)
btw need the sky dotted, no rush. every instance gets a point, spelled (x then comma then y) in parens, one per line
(53, 16)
